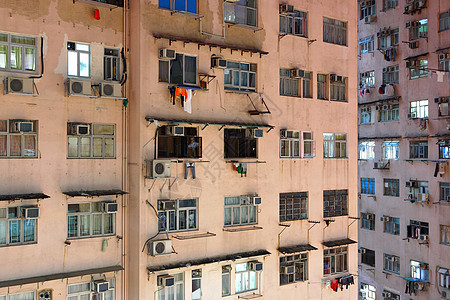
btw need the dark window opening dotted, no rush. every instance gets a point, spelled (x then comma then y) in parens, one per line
(188, 145)
(240, 143)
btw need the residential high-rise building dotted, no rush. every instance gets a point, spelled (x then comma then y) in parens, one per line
(404, 64)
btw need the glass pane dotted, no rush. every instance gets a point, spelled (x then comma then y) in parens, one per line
(15, 146)
(227, 217)
(14, 231)
(16, 58)
(23, 40)
(85, 147)
(97, 147)
(3, 56)
(3, 232)
(101, 129)
(22, 296)
(109, 147)
(82, 47)
(29, 229)
(3, 145)
(30, 64)
(252, 281)
(29, 145)
(192, 221)
(244, 215)
(226, 284)
(3, 37)
(236, 215)
(72, 226)
(96, 224)
(108, 226)
(190, 72)
(84, 64)
(72, 63)
(238, 283)
(85, 222)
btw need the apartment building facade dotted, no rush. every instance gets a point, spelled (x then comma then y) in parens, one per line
(404, 55)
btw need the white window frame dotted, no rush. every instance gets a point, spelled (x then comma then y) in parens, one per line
(8, 44)
(165, 292)
(367, 45)
(418, 109)
(7, 223)
(419, 270)
(367, 79)
(90, 215)
(367, 10)
(444, 278)
(444, 64)
(300, 263)
(233, 71)
(91, 137)
(86, 290)
(332, 145)
(367, 150)
(365, 115)
(168, 214)
(390, 149)
(419, 71)
(391, 74)
(308, 139)
(30, 296)
(367, 291)
(79, 52)
(291, 143)
(289, 86)
(244, 277)
(250, 207)
(332, 254)
(229, 12)
(388, 113)
(391, 263)
(24, 153)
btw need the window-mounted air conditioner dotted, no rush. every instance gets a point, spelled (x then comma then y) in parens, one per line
(422, 197)
(175, 130)
(257, 133)
(80, 129)
(370, 217)
(448, 198)
(424, 237)
(166, 280)
(245, 200)
(286, 8)
(384, 219)
(412, 115)
(255, 265)
(283, 133)
(164, 205)
(110, 90)
(45, 295)
(23, 126)
(167, 54)
(369, 19)
(286, 270)
(256, 200)
(218, 62)
(80, 87)
(110, 207)
(386, 295)
(100, 286)
(19, 85)
(297, 73)
(30, 212)
(160, 247)
(160, 169)
(362, 251)
(445, 294)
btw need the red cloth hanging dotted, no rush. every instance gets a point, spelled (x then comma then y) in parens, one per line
(334, 285)
(96, 14)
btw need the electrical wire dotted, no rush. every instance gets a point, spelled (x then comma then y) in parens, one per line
(161, 222)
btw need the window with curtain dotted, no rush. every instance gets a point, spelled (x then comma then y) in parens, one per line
(15, 141)
(98, 141)
(15, 229)
(182, 70)
(226, 280)
(174, 292)
(19, 296)
(240, 12)
(245, 279)
(89, 220)
(334, 145)
(17, 53)
(335, 260)
(181, 215)
(240, 210)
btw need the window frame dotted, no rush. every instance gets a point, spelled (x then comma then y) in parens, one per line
(21, 221)
(329, 259)
(387, 41)
(294, 205)
(389, 4)
(367, 186)
(332, 146)
(391, 263)
(389, 113)
(289, 86)
(167, 66)
(367, 257)
(420, 71)
(289, 25)
(391, 187)
(338, 90)
(418, 109)
(87, 291)
(170, 214)
(230, 17)
(337, 200)
(244, 278)
(290, 144)
(172, 6)
(365, 115)
(91, 136)
(367, 79)
(391, 74)
(248, 140)
(241, 207)
(322, 87)
(78, 62)
(418, 29)
(390, 150)
(367, 223)
(367, 45)
(335, 31)
(91, 214)
(8, 295)
(365, 11)
(113, 61)
(418, 149)
(232, 71)
(392, 226)
(444, 21)
(300, 272)
(367, 147)
(368, 290)
(8, 133)
(174, 146)
(167, 291)
(444, 234)
(419, 270)
(8, 44)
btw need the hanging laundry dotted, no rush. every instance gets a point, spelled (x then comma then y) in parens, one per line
(188, 102)
(180, 93)
(436, 170)
(440, 76)
(334, 285)
(189, 166)
(367, 91)
(381, 89)
(389, 90)
(361, 93)
(430, 74)
(172, 94)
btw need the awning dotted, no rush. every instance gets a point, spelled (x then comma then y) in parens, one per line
(380, 138)
(380, 100)
(58, 276)
(416, 56)
(296, 249)
(338, 243)
(207, 123)
(23, 197)
(442, 49)
(209, 260)
(96, 193)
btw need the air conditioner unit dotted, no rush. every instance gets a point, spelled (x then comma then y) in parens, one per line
(110, 89)
(160, 247)
(420, 286)
(218, 62)
(441, 56)
(387, 219)
(167, 54)
(160, 169)
(340, 78)
(363, 251)
(100, 286)
(412, 115)
(45, 295)
(256, 200)
(22, 126)
(166, 280)
(79, 87)
(297, 73)
(376, 165)
(257, 133)
(81, 129)
(422, 197)
(386, 295)
(369, 19)
(19, 85)
(283, 133)
(333, 77)
(286, 270)
(424, 237)
(255, 265)
(110, 207)
(370, 217)
(175, 130)
(164, 205)
(445, 295)
(286, 8)
(30, 212)
(245, 200)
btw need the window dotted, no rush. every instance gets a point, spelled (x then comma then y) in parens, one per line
(306, 85)
(391, 263)
(294, 23)
(417, 229)
(174, 292)
(419, 270)
(188, 145)
(240, 210)
(391, 225)
(90, 140)
(15, 229)
(335, 203)
(443, 107)
(309, 144)
(444, 278)
(111, 64)
(367, 257)
(241, 12)
(197, 284)
(78, 59)
(388, 113)
(419, 70)
(322, 88)
(418, 29)
(189, 6)
(334, 145)
(418, 109)
(367, 150)
(226, 280)
(368, 221)
(391, 187)
(390, 75)
(240, 76)
(445, 234)
(366, 45)
(177, 215)
(418, 149)
(388, 4)
(181, 70)
(83, 291)
(367, 292)
(368, 186)
(334, 31)
(335, 260)
(388, 39)
(444, 148)
(337, 88)
(288, 86)
(289, 143)
(416, 188)
(89, 220)
(444, 20)
(367, 79)
(444, 62)
(293, 206)
(293, 268)
(240, 143)
(17, 53)
(20, 296)
(390, 295)
(367, 9)
(390, 149)
(18, 138)
(245, 279)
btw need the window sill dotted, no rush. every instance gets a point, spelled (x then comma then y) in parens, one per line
(335, 44)
(240, 228)
(91, 157)
(251, 296)
(292, 96)
(20, 157)
(346, 157)
(18, 244)
(90, 237)
(187, 14)
(251, 27)
(238, 91)
(194, 235)
(283, 34)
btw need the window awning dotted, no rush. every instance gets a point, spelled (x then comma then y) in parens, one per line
(209, 260)
(338, 243)
(379, 100)
(207, 123)
(96, 193)
(58, 276)
(23, 197)
(442, 49)
(386, 138)
(416, 56)
(296, 249)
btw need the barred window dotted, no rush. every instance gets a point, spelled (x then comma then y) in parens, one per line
(334, 31)
(293, 268)
(335, 203)
(391, 187)
(368, 186)
(293, 206)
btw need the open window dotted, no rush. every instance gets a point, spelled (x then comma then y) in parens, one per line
(180, 69)
(179, 142)
(240, 143)
(418, 230)
(240, 12)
